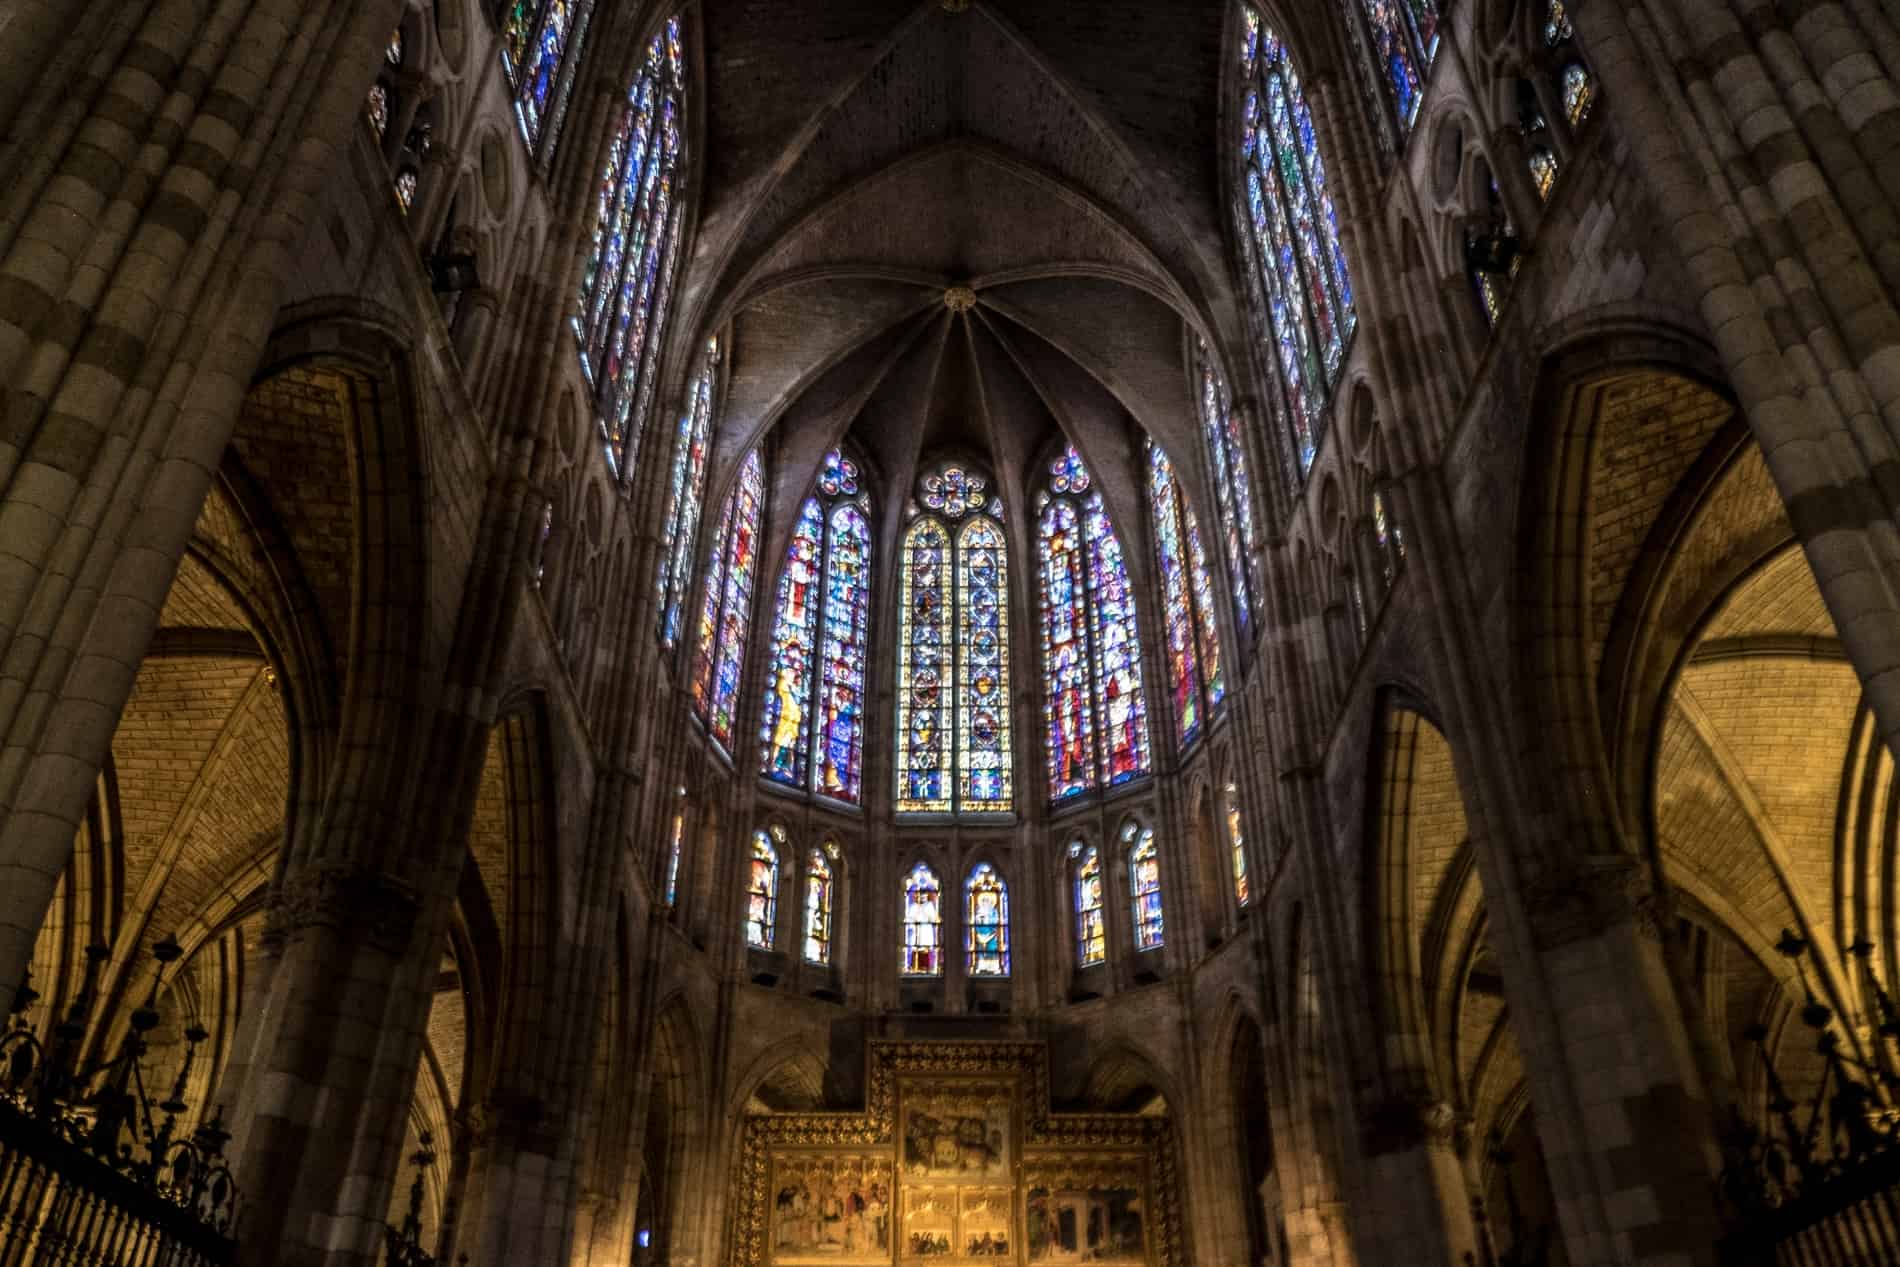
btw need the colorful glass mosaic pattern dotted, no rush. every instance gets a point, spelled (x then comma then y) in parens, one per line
(1144, 885)
(1196, 681)
(686, 490)
(627, 284)
(1404, 41)
(1233, 486)
(986, 922)
(785, 733)
(955, 750)
(821, 881)
(1237, 843)
(761, 905)
(923, 923)
(1391, 540)
(726, 611)
(815, 693)
(1293, 239)
(1095, 714)
(1091, 935)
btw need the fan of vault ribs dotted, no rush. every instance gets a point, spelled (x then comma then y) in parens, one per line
(956, 1156)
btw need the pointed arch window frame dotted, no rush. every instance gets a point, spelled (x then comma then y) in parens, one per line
(922, 949)
(839, 494)
(642, 181)
(1089, 905)
(952, 504)
(1146, 909)
(763, 862)
(991, 961)
(727, 596)
(820, 903)
(1099, 554)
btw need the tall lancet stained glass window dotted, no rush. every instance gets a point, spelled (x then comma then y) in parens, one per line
(1233, 485)
(1144, 884)
(1300, 288)
(628, 282)
(686, 489)
(1196, 680)
(955, 751)
(1400, 39)
(539, 41)
(986, 922)
(761, 909)
(923, 923)
(821, 884)
(812, 734)
(725, 613)
(1095, 710)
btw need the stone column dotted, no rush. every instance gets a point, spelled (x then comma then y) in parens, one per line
(1423, 1210)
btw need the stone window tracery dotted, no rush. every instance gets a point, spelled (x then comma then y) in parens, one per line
(953, 722)
(1196, 679)
(626, 287)
(1300, 288)
(1095, 711)
(819, 634)
(725, 614)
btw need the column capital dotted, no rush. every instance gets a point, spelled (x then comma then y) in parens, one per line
(376, 906)
(1583, 897)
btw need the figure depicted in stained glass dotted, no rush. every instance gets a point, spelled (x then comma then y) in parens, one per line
(1390, 540)
(820, 892)
(1094, 710)
(1144, 884)
(1237, 843)
(726, 609)
(1091, 937)
(923, 923)
(815, 690)
(761, 912)
(1233, 485)
(1195, 680)
(1292, 236)
(986, 922)
(686, 489)
(627, 282)
(953, 721)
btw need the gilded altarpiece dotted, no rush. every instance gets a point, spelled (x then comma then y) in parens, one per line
(956, 1160)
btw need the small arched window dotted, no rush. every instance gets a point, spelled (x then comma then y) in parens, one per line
(1095, 712)
(819, 634)
(1237, 842)
(725, 614)
(1390, 539)
(1144, 884)
(1091, 937)
(923, 923)
(761, 911)
(820, 892)
(686, 490)
(1300, 289)
(675, 844)
(953, 723)
(1196, 681)
(628, 282)
(986, 922)
(1576, 86)
(1400, 38)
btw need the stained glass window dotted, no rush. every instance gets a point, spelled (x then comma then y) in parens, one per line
(1237, 842)
(923, 923)
(1144, 884)
(1298, 269)
(1091, 937)
(725, 614)
(537, 37)
(820, 891)
(1095, 712)
(761, 909)
(406, 182)
(1402, 41)
(1391, 540)
(377, 108)
(1580, 93)
(816, 687)
(1195, 678)
(1557, 26)
(627, 285)
(986, 922)
(1543, 166)
(674, 846)
(686, 489)
(1233, 485)
(954, 741)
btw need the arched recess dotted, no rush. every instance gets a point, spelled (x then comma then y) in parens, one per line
(673, 1137)
(1251, 1141)
(528, 895)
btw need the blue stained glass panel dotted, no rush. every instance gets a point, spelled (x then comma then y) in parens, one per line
(847, 618)
(785, 734)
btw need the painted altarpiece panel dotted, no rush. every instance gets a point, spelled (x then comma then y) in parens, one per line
(956, 1160)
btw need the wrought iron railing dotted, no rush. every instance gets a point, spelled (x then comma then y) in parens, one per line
(91, 1170)
(1818, 1183)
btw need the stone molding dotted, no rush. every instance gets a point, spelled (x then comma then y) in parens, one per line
(378, 907)
(1585, 897)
